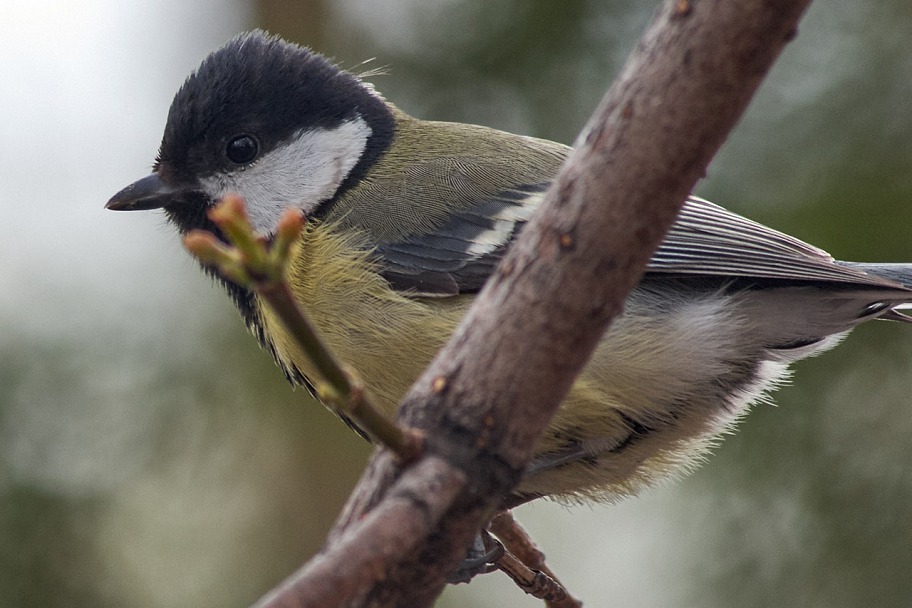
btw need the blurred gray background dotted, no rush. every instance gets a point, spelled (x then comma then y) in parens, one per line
(152, 456)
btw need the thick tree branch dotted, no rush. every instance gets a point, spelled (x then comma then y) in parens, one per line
(490, 393)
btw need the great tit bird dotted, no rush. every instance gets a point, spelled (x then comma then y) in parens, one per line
(406, 220)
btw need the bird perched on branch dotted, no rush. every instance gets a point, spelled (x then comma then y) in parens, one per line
(408, 218)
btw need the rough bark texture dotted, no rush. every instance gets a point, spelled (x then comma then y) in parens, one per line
(490, 393)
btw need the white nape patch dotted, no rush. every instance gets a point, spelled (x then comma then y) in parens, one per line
(302, 173)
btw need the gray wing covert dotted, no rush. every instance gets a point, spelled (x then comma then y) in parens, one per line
(459, 255)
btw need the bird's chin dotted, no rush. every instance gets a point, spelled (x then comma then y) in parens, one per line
(189, 213)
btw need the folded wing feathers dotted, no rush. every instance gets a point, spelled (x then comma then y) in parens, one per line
(705, 240)
(709, 240)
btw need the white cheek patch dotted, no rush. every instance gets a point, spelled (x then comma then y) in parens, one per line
(302, 173)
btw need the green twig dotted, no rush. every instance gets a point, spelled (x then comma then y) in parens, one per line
(255, 263)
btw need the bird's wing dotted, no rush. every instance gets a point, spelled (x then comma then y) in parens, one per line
(458, 254)
(711, 241)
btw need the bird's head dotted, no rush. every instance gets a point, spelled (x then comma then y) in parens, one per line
(272, 121)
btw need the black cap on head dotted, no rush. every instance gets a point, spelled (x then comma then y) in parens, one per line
(262, 85)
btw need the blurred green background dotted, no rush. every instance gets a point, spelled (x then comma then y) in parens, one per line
(152, 456)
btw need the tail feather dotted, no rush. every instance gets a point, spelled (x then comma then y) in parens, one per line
(898, 273)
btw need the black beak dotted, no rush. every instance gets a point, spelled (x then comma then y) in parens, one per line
(148, 193)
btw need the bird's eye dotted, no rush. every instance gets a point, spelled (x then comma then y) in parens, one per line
(242, 149)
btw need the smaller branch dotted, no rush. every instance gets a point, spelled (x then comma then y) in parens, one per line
(255, 263)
